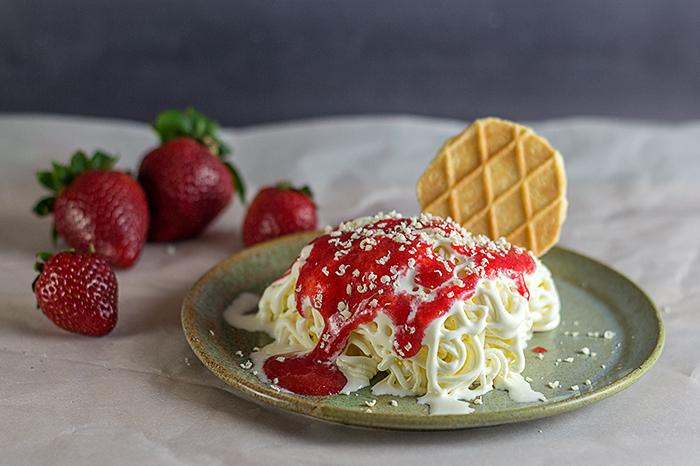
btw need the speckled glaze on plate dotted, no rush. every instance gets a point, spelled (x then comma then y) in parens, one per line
(594, 298)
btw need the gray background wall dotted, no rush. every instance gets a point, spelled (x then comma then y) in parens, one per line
(251, 61)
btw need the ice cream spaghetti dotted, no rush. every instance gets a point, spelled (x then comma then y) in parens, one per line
(417, 304)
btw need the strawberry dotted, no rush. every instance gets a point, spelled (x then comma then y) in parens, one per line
(95, 205)
(187, 178)
(77, 291)
(279, 210)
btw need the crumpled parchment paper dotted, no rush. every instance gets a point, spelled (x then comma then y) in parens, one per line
(139, 396)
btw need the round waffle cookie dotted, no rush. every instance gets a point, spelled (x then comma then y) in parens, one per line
(498, 178)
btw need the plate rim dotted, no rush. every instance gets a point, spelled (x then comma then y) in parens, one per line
(307, 407)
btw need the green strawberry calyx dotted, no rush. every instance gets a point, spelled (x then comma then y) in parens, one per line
(172, 124)
(288, 186)
(41, 259)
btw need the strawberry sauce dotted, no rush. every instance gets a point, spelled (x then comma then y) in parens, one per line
(392, 266)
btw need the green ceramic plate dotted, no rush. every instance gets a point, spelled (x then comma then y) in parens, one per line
(594, 298)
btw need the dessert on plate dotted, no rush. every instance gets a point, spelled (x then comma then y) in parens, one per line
(437, 312)
(427, 306)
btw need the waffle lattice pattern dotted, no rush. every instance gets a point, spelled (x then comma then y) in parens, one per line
(499, 178)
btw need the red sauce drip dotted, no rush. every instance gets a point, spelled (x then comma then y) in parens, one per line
(349, 277)
(539, 349)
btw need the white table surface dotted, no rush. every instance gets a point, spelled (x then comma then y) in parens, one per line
(132, 397)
